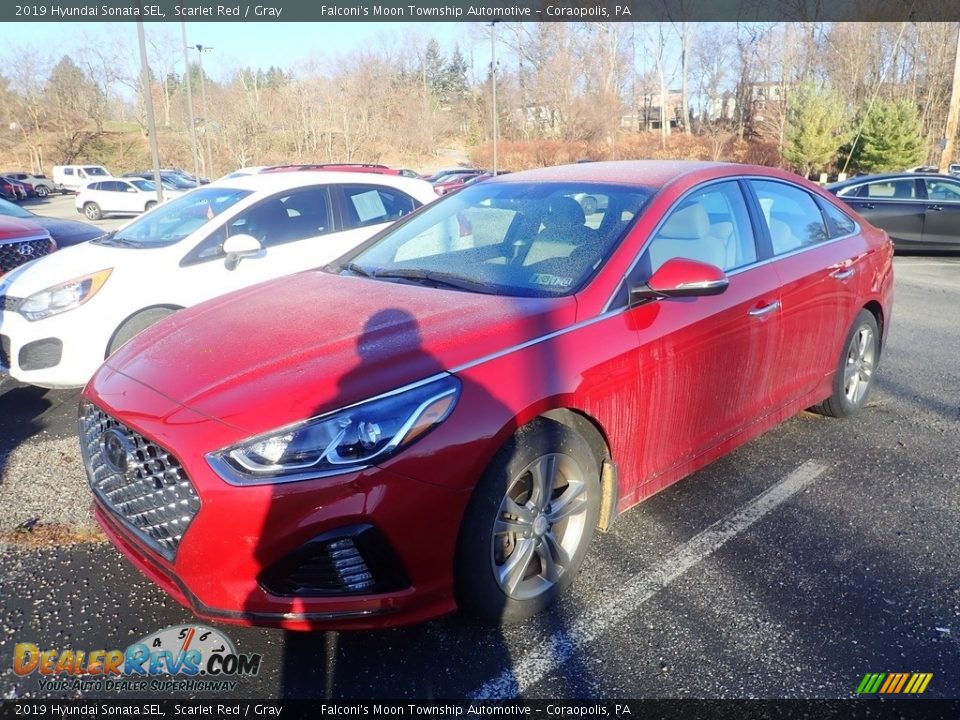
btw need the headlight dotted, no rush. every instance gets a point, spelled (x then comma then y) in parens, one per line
(65, 296)
(341, 441)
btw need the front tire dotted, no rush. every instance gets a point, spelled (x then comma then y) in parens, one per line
(92, 211)
(858, 363)
(41, 191)
(150, 206)
(529, 524)
(589, 205)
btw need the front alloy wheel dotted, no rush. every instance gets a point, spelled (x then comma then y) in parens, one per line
(529, 524)
(540, 526)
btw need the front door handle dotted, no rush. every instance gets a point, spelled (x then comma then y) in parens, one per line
(938, 208)
(869, 206)
(765, 309)
(843, 274)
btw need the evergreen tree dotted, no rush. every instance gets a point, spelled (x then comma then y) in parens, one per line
(815, 129)
(891, 138)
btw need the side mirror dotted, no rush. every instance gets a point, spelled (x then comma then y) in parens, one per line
(238, 247)
(681, 277)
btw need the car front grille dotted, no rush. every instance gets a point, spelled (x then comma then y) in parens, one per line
(138, 481)
(16, 253)
(10, 303)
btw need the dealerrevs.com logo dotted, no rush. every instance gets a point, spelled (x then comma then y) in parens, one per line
(180, 658)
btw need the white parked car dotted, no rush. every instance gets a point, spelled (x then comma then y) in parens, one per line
(119, 196)
(62, 315)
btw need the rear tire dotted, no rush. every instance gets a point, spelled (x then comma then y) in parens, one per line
(858, 364)
(41, 191)
(150, 206)
(92, 211)
(529, 524)
(134, 325)
(589, 205)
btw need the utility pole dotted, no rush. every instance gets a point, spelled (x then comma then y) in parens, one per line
(148, 100)
(201, 49)
(952, 114)
(493, 84)
(193, 122)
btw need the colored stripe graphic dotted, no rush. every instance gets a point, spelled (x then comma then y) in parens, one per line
(894, 683)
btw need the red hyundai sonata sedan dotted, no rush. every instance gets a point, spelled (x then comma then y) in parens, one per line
(444, 417)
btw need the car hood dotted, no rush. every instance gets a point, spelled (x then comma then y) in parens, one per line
(64, 265)
(309, 343)
(68, 232)
(13, 228)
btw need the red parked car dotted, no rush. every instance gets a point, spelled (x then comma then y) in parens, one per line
(444, 416)
(20, 242)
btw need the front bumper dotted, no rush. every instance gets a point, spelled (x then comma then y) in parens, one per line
(56, 352)
(241, 533)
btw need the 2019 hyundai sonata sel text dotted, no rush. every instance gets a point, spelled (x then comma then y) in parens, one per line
(445, 416)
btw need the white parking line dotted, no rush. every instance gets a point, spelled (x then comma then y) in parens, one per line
(563, 645)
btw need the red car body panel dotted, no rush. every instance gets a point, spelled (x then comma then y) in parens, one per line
(670, 385)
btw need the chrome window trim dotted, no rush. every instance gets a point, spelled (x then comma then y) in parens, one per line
(743, 268)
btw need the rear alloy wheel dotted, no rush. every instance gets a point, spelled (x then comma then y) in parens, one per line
(92, 211)
(854, 377)
(41, 191)
(529, 524)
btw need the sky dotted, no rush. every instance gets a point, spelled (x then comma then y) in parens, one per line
(260, 44)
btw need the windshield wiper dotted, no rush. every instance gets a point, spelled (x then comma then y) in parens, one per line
(111, 239)
(437, 279)
(357, 270)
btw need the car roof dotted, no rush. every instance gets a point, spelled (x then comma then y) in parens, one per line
(270, 182)
(647, 173)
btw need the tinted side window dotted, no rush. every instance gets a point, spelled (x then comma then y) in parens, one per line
(891, 190)
(94, 186)
(838, 222)
(711, 226)
(68, 171)
(946, 190)
(792, 216)
(371, 205)
(301, 214)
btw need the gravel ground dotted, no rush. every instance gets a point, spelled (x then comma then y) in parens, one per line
(45, 480)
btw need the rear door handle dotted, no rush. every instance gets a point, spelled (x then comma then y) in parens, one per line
(869, 206)
(843, 274)
(938, 208)
(765, 309)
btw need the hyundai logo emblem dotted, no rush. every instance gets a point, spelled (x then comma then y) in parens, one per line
(25, 249)
(117, 451)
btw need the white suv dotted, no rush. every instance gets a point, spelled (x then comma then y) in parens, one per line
(119, 196)
(80, 304)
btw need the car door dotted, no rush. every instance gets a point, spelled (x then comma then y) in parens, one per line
(819, 268)
(705, 364)
(295, 228)
(895, 205)
(941, 227)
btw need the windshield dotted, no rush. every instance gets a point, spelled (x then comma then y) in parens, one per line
(8, 208)
(524, 239)
(96, 171)
(145, 185)
(174, 220)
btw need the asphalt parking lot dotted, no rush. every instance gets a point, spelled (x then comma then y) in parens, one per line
(822, 551)
(62, 206)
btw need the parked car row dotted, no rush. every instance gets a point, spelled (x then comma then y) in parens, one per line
(90, 299)
(436, 413)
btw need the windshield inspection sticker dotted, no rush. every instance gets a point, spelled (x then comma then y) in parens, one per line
(551, 280)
